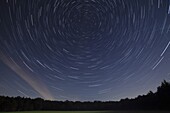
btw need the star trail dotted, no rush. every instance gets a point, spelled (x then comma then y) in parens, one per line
(83, 49)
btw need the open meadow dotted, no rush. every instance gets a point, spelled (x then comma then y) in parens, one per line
(89, 112)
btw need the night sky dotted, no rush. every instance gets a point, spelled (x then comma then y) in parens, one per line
(83, 50)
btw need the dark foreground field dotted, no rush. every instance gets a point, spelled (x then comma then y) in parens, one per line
(90, 112)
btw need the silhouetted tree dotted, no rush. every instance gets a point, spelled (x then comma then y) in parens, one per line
(160, 100)
(38, 104)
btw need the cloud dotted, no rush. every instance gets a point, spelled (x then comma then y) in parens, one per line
(34, 82)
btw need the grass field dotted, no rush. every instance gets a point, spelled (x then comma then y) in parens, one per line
(89, 112)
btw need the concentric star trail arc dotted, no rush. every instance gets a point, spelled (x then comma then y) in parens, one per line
(84, 49)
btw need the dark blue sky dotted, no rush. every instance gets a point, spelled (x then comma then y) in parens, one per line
(83, 49)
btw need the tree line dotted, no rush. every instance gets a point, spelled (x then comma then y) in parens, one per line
(160, 100)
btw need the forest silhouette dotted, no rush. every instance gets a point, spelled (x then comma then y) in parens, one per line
(160, 100)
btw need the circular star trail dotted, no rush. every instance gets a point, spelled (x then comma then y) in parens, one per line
(83, 49)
